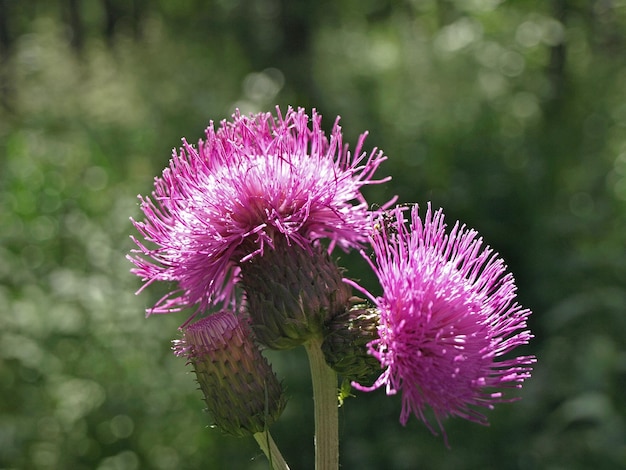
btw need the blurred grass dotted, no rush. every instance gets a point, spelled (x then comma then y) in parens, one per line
(510, 116)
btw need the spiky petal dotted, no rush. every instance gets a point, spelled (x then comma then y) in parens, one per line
(226, 201)
(448, 316)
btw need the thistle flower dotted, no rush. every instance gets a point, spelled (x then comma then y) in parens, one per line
(242, 393)
(447, 318)
(255, 180)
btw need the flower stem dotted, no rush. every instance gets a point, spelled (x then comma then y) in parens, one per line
(324, 381)
(270, 449)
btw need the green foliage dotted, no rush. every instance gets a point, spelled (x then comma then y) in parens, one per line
(510, 115)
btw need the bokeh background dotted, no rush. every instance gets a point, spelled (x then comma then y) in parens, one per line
(509, 114)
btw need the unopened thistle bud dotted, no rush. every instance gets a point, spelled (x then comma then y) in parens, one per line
(240, 389)
(291, 292)
(345, 342)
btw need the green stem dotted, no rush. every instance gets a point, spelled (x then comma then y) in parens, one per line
(270, 449)
(324, 381)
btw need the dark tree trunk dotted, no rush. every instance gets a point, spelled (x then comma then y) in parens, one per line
(75, 23)
(6, 46)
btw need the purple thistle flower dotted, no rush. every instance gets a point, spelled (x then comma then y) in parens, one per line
(447, 316)
(255, 179)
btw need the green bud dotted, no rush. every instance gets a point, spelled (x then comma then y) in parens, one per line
(345, 342)
(291, 292)
(240, 389)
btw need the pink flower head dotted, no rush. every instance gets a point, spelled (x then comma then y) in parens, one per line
(447, 316)
(227, 200)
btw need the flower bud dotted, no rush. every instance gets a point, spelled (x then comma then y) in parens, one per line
(240, 389)
(345, 342)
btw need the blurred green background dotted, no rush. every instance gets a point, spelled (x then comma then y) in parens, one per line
(509, 114)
